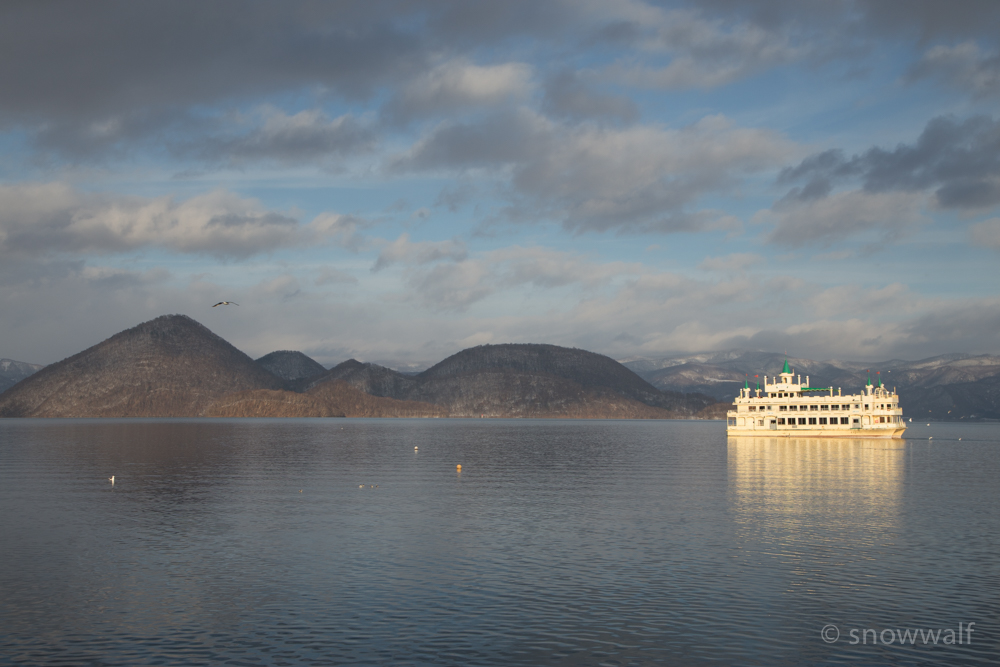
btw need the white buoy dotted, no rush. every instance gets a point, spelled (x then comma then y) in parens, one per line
(112, 480)
(415, 448)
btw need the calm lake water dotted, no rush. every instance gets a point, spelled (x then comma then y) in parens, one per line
(249, 542)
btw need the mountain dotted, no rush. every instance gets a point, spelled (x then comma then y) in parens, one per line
(329, 399)
(535, 380)
(966, 401)
(947, 387)
(12, 372)
(175, 367)
(168, 367)
(369, 378)
(290, 365)
(524, 380)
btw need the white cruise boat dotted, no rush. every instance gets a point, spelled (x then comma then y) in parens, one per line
(788, 408)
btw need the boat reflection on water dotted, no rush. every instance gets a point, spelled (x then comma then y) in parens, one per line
(816, 501)
(787, 469)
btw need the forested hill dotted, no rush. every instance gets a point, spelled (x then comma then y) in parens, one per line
(173, 366)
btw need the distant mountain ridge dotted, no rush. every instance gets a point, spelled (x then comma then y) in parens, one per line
(12, 372)
(945, 387)
(173, 366)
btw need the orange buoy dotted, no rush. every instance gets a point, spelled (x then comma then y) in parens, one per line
(459, 467)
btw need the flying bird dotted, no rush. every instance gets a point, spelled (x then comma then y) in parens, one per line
(226, 303)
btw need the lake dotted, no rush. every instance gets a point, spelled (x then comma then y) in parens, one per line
(560, 542)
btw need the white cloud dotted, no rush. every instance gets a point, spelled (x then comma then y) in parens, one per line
(344, 230)
(331, 276)
(478, 338)
(852, 299)
(457, 284)
(459, 84)
(987, 233)
(420, 252)
(40, 219)
(109, 277)
(284, 287)
(732, 263)
(879, 215)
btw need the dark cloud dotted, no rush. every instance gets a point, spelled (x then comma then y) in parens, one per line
(88, 79)
(931, 19)
(497, 141)
(84, 78)
(926, 20)
(113, 57)
(307, 136)
(959, 161)
(968, 325)
(567, 96)
(965, 66)
(597, 178)
(882, 217)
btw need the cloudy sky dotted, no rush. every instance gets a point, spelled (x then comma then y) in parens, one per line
(397, 180)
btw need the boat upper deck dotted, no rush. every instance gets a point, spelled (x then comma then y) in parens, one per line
(787, 404)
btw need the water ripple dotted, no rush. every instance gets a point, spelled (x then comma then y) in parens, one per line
(331, 542)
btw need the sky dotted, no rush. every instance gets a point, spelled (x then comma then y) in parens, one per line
(396, 180)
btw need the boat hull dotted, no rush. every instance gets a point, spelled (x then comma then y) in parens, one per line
(805, 432)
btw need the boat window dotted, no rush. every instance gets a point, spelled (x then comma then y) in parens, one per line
(812, 420)
(802, 420)
(781, 421)
(782, 408)
(822, 420)
(824, 407)
(834, 407)
(847, 407)
(814, 407)
(793, 407)
(753, 408)
(866, 406)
